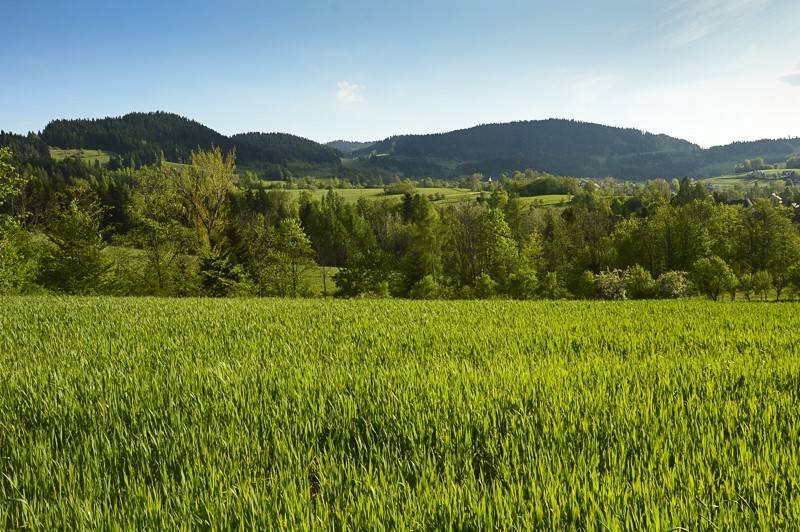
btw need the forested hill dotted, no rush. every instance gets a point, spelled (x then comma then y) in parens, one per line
(565, 147)
(773, 151)
(142, 137)
(348, 146)
(282, 147)
(559, 147)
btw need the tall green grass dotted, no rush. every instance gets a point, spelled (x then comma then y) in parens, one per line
(269, 414)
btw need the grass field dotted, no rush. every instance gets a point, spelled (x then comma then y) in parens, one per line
(352, 195)
(274, 414)
(745, 180)
(446, 195)
(88, 156)
(547, 200)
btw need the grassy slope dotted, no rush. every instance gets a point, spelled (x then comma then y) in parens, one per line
(451, 195)
(352, 195)
(731, 180)
(88, 156)
(547, 200)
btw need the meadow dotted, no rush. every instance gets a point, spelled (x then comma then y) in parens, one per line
(88, 156)
(747, 180)
(383, 414)
(440, 195)
(352, 195)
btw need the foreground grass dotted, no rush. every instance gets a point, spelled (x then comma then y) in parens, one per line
(234, 414)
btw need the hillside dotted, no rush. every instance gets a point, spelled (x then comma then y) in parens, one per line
(560, 147)
(142, 137)
(564, 147)
(348, 146)
(719, 160)
(281, 148)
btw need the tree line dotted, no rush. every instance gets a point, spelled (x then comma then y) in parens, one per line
(194, 229)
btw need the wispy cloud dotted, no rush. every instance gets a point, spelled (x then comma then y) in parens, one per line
(350, 92)
(691, 20)
(792, 79)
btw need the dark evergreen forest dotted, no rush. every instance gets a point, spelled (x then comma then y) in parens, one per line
(140, 139)
(564, 147)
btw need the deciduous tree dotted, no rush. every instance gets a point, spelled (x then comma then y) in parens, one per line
(17, 264)
(168, 268)
(202, 189)
(712, 277)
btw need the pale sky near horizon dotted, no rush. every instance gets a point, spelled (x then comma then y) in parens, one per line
(709, 71)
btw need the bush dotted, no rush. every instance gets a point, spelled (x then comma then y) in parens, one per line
(485, 287)
(612, 284)
(586, 287)
(523, 284)
(426, 288)
(641, 284)
(551, 287)
(673, 285)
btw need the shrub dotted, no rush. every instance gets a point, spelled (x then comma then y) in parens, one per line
(426, 288)
(641, 284)
(612, 284)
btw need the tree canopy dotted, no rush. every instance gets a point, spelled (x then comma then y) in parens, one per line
(201, 228)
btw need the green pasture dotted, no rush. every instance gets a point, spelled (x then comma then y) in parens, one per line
(746, 179)
(439, 195)
(88, 156)
(352, 195)
(547, 200)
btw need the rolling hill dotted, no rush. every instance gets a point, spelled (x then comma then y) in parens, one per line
(560, 147)
(348, 146)
(565, 147)
(143, 137)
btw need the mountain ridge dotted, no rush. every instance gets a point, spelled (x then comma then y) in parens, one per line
(144, 137)
(557, 146)
(570, 147)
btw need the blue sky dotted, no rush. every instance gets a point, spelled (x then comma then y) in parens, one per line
(709, 71)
